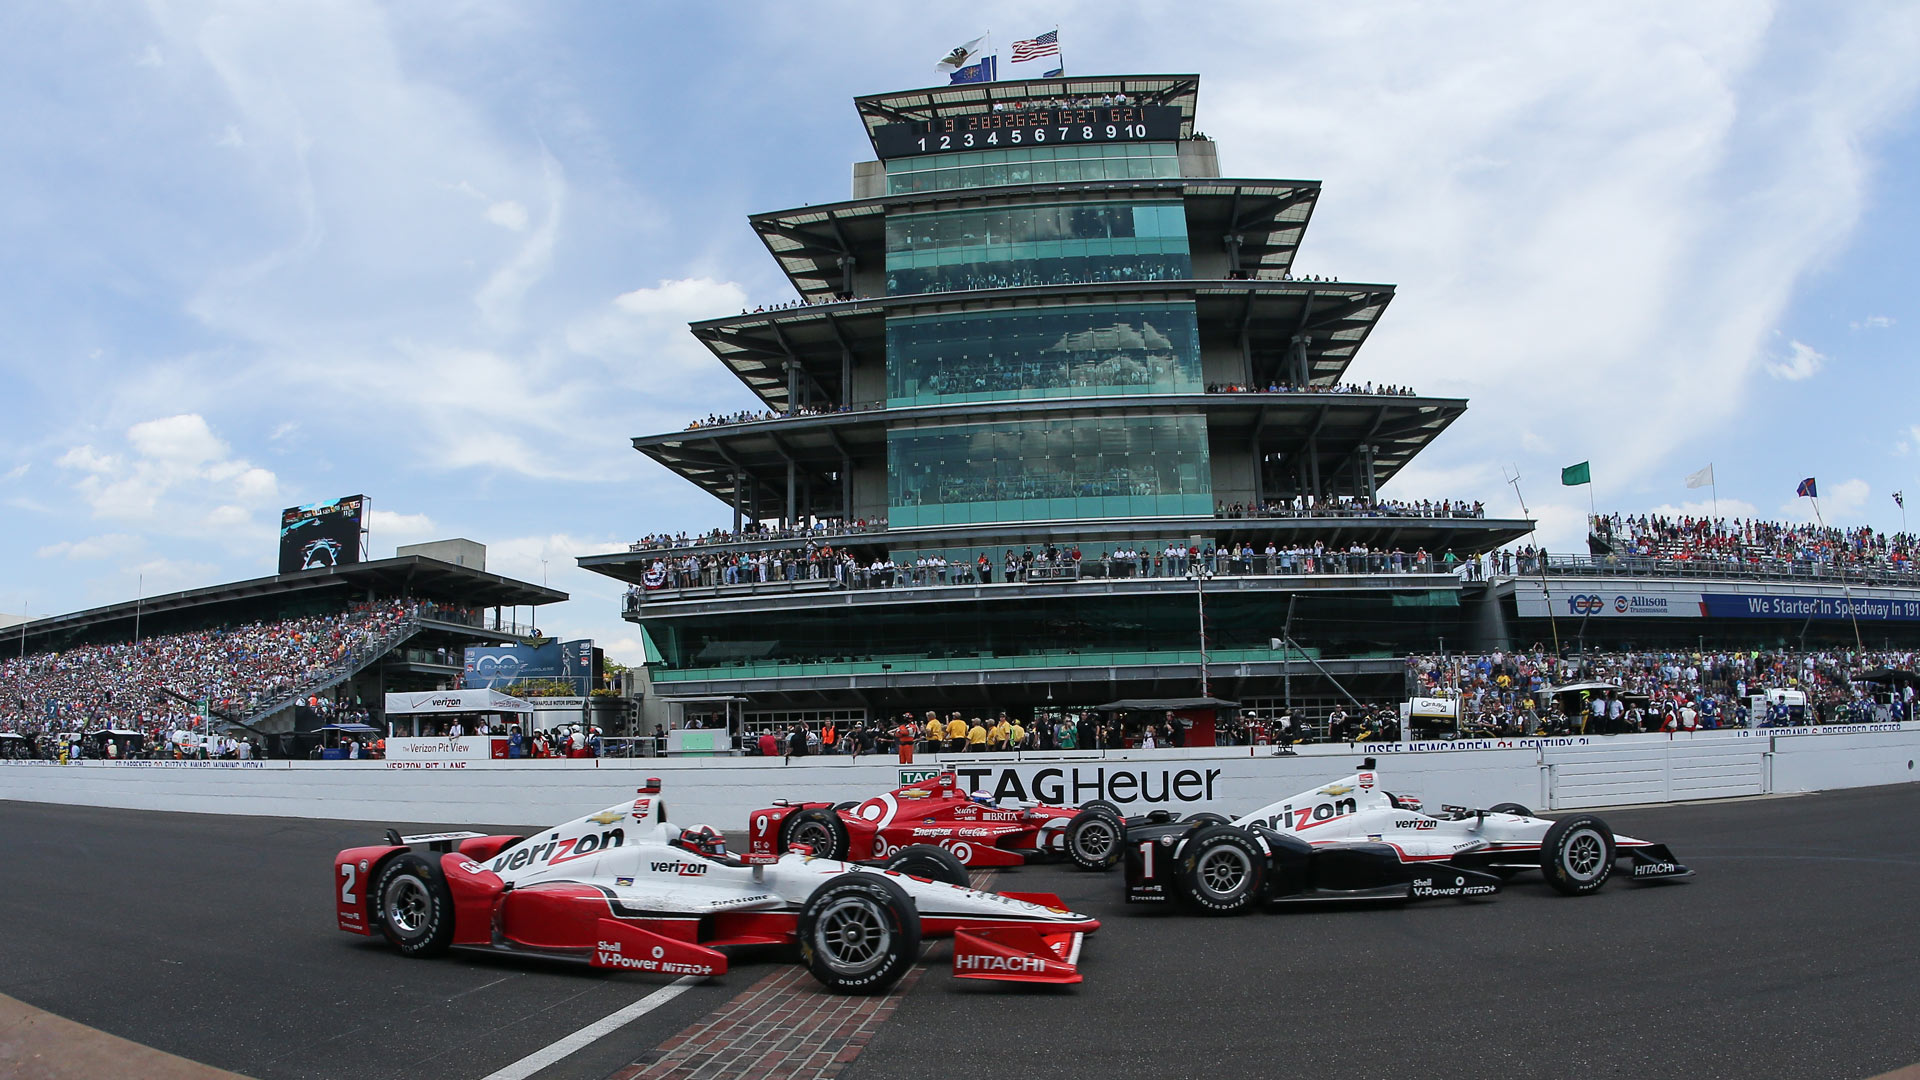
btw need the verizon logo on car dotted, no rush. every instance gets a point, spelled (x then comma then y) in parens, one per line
(1015, 964)
(677, 866)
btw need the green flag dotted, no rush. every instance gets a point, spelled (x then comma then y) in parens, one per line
(1575, 475)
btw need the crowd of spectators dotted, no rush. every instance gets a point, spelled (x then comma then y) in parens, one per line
(1383, 390)
(155, 686)
(1511, 693)
(1352, 506)
(1749, 543)
(755, 416)
(840, 568)
(825, 527)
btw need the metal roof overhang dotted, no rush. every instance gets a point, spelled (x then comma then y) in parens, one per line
(817, 247)
(1335, 426)
(412, 575)
(823, 343)
(909, 106)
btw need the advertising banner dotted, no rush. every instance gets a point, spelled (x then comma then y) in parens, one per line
(503, 665)
(1605, 600)
(321, 534)
(446, 748)
(1765, 606)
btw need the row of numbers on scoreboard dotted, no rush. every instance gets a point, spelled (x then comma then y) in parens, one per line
(971, 140)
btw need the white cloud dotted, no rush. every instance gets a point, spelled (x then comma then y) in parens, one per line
(1838, 502)
(508, 215)
(104, 546)
(1873, 322)
(393, 527)
(1802, 361)
(17, 471)
(1726, 508)
(175, 471)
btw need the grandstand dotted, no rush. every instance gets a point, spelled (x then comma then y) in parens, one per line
(266, 657)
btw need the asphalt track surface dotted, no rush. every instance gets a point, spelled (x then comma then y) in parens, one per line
(1795, 952)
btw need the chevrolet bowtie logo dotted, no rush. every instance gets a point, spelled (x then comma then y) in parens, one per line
(606, 817)
(1335, 789)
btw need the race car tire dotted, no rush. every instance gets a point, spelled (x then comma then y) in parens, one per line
(819, 829)
(1222, 870)
(415, 908)
(1093, 839)
(1102, 804)
(1577, 855)
(930, 862)
(1207, 817)
(1509, 808)
(848, 805)
(859, 933)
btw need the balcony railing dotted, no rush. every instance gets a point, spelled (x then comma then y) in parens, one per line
(1721, 567)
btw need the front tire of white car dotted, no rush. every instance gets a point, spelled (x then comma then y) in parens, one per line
(1093, 839)
(1222, 870)
(859, 933)
(1577, 855)
(414, 906)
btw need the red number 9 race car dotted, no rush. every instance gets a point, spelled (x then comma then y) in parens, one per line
(978, 830)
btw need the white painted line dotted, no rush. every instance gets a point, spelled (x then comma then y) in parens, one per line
(592, 1033)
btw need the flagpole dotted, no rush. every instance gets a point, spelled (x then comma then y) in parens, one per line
(1062, 52)
(1545, 592)
(1713, 481)
(1839, 561)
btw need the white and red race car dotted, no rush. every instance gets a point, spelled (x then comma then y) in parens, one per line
(978, 830)
(623, 889)
(1352, 840)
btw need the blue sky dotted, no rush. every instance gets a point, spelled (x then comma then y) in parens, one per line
(444, 254)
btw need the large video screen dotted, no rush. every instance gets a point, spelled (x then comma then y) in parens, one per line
(321, 534)
(500, 666)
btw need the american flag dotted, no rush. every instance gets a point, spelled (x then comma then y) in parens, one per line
(1047, 44)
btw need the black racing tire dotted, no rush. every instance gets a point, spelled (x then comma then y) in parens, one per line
(1207, 817)
(848, 805)
(1094, 839)
(414, 906)
(1509, 808)
(1577, 855)
(1222, 870)
(859, 933)
(818, 828)
(930, 862)
(1102, 804)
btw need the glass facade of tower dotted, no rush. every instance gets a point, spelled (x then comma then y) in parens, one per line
(1032, 470)
(1043, 352)
(1046, 244)
(1034, 165)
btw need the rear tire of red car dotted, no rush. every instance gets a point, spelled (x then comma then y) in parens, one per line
(1222, 870)
(822, 830)
(414, 907)
(859, 933)
(930, 862)
(1093, 839)
(1577, 855)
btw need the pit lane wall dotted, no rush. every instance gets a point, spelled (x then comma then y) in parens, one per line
(1555, 773)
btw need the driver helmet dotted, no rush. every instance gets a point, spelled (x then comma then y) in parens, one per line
(981, 797)
(704, 839)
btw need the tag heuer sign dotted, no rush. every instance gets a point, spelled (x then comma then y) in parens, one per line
(918, 776)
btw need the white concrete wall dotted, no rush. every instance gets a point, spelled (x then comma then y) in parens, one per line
(1540, 773)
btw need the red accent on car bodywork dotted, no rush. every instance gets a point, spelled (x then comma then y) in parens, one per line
(1013, 954)
(483, 848)
(474, 889)
(627, 946)
(352, 904)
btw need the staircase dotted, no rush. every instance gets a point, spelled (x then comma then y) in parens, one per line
(349, 666)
